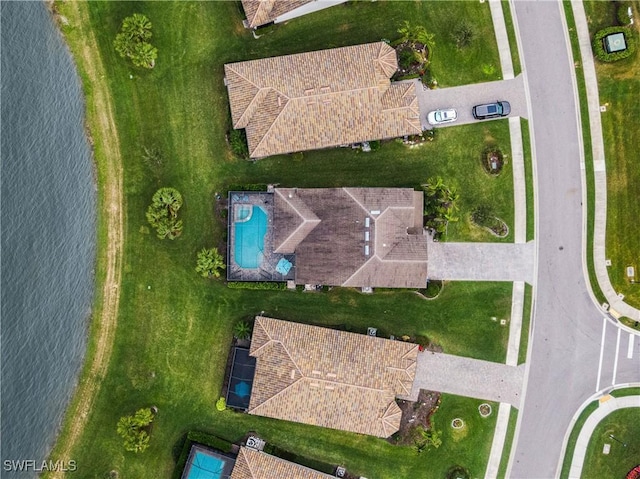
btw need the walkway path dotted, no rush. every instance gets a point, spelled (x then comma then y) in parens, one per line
(481, 261)
(467, 377)
(608, 404)
(617, 307)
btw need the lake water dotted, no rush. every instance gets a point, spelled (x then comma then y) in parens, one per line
(48, 229)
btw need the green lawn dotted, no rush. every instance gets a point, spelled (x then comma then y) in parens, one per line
(174, 327)
(513, 43)
(508, 443)
(622, 425)
(619, 84)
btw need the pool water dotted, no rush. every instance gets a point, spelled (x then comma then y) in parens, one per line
(205, 466)
(243, 212)
(249, 238)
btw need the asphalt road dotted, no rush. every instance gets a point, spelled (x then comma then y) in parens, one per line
(565, 365)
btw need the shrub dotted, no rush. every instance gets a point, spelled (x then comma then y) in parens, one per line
(238, 143)
(221, 404)
(623, 14)
(133, 429)
(463, 34)
(248, 187)
(209, 440)
(132, 43)
(375, 145)
(598, 44)
(265, 285)
(162, 214)
(242, 330)
(458, 472)
(210, 263)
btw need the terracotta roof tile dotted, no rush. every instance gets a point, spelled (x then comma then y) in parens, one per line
(329, 378)
(320, 99)
(252, 464)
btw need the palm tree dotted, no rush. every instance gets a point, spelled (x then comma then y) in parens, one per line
(168, 199)
(137, 27)
(210, 262)
(144, 55)
(126, 426)
(143, 417)
(242, 330)
(137, 442)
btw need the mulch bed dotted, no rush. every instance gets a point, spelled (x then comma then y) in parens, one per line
(416, 414)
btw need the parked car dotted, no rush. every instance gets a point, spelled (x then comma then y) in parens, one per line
(446, 115)
(491, 110)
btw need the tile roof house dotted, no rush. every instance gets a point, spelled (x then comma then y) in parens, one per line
(252, 464)
(321, 99)
(351, 237)
(370, 237)
(263, 12)
(330, 378)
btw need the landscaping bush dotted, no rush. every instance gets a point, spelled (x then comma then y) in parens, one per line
(485, 217)
(210, 263)
(458, 472)
(248, 187)
(162, 213)
(375, 145)
(257, 285)
(623, 14)
(238, 143)
(598, 44)
(209, 440)
(221, 404)
(463, 34)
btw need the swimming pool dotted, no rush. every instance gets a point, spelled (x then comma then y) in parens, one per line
(249, 237)
(206, 466)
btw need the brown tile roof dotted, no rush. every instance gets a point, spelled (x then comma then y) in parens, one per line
(320, 99)
(329, 378)
(353, 236)
(252, 464)
(261, 12)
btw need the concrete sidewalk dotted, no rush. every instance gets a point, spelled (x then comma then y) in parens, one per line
(467, 377)
(607, 406)
(617, 306)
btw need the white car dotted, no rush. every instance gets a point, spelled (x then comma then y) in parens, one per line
(438, 117)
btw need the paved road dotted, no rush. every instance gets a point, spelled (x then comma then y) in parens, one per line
(467, 377)
(463, 98)
(564, 364)
(482, 261)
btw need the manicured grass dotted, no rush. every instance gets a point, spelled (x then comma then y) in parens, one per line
(619, 84)
(573, 437)
(623, 425)
(526, 323)
(508, 443)
(618, 393)
(174, 329)
(528, 176)
(511, 33)
(588, 153)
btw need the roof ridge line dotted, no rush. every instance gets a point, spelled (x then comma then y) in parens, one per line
(265, 332)
(275, 120)
(248, 462)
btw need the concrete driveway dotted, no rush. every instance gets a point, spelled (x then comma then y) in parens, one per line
(481, 261)
(463, 98)
(467, 377)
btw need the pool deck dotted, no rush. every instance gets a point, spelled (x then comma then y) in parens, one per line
(267, 270)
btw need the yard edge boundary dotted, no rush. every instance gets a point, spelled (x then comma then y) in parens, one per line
(103, 136)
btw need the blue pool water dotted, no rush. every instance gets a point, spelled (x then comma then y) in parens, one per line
(249, 239)
(205, 466)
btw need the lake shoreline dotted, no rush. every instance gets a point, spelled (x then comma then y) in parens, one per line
(103, 138)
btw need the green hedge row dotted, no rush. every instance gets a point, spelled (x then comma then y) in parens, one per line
(598, 44)
(265, 285)
(248, 187)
